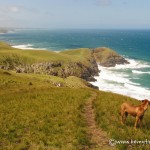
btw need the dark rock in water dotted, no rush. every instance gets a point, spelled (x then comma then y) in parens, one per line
(92, 86)
(91, 79)
(113, 61)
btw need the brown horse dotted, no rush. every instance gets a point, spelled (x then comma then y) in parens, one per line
(135, 111)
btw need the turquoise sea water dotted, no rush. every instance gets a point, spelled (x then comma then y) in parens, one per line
(132, 80)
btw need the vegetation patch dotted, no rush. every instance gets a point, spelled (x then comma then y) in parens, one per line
(79, 63)
(42, 100)
(107, 57)
(107, 109)
(37, 115)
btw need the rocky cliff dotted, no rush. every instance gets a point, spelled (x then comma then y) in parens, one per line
(81, 63)
(60, 69)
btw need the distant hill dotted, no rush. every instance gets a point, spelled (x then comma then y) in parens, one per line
(6, 30)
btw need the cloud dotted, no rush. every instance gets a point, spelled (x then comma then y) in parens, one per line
(10, 9)
(14, 9)
(104, 2)
(2, 18)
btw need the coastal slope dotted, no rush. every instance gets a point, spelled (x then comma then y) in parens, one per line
(40, 110)
(81, 63)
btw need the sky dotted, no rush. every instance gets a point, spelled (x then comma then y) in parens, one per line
(69, 14)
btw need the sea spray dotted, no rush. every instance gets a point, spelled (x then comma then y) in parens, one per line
(123, 80)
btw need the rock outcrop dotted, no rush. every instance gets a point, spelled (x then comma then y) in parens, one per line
(60, 69)
(86, 67)
(107, 57)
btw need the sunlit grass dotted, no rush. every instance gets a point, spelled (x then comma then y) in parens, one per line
(35, 114)
(107, 108)
(39, 115)
(12, 56)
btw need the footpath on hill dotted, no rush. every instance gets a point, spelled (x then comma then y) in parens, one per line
(98, 138)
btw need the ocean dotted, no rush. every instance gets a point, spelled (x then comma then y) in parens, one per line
(132, 80)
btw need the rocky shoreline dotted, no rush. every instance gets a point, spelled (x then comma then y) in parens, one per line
(98, 56)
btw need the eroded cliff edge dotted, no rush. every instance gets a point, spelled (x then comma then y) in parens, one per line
(82, 63)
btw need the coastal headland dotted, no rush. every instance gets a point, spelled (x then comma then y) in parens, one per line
(47, 102)
(81, 62)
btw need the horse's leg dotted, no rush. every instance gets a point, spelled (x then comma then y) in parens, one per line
(136, 122)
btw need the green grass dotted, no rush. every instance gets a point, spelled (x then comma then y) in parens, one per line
(43, 119)
(9, 55)
(107, 108)
(72, 62)
(30, 56)
(103, 54)
(15, 82)
(35, 114)
(39, 115)
(82, 55)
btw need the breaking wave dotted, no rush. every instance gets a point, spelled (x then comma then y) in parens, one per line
(119, 79)
(27, 47)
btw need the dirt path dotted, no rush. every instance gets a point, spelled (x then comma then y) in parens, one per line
(99, 138)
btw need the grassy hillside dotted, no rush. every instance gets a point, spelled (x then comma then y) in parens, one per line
(107, 108)
(15, 82)
(79, 63)
(40, 111)
(101, 54)
(7, 53)
(37, 115)
(82, 54)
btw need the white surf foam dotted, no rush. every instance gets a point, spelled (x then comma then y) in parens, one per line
(133, 64)
(8, 32)
(113, 80)
(57, 51)
(23, 46)
(140, 72)
(27, 47)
